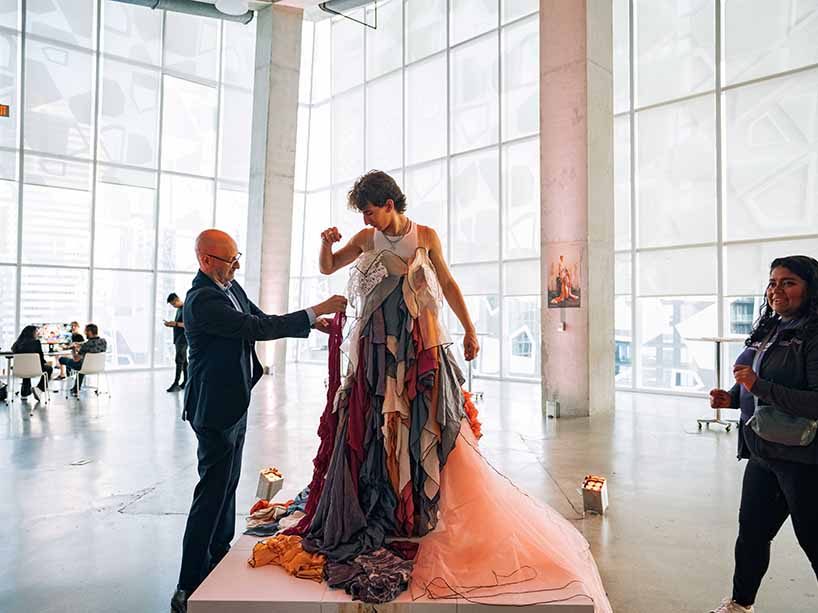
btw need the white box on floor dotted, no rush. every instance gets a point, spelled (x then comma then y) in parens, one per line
(270, 482)
(595, 494)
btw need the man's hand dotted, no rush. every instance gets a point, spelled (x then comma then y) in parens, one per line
(745, 375)
(330, 235)
(720, 399)
(470, 346)
(170, 324)
(335, 304)
(322, 324)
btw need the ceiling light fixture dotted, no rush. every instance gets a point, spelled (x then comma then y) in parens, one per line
(232, 7)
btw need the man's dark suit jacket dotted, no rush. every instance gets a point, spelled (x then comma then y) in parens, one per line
(223, 365)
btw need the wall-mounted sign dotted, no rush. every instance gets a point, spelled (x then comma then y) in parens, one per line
(5, 110)
(564, 277)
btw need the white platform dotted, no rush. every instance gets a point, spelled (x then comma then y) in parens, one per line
(235, 587)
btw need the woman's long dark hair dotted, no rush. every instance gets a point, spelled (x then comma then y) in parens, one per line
(28, 333)
(806, 268)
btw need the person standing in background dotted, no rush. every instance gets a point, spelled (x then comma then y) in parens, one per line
(179, 343)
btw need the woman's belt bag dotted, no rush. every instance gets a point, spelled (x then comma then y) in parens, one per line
(777, 426)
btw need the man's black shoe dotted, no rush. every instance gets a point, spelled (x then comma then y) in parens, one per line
(174, 388)
(182, 385)
(178, 604)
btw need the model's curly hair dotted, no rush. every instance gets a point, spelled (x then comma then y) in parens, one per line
(806, 268)
(375, 188)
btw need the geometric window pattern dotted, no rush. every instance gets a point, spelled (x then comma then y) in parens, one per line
(130, 136)
(715, 168)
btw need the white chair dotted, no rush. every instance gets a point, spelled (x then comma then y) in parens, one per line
(92, 364)
(28, 366)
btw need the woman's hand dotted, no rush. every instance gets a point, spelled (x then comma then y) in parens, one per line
(745, 375)
(330, 235)
(470, 346)
(720, 399)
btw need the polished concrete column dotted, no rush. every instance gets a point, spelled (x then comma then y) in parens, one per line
(272, 167)
(576, 142)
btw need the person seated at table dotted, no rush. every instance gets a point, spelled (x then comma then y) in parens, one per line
(28, 342)
(76, 337)
(94, 344)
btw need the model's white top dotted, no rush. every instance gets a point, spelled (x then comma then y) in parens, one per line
(403, 246)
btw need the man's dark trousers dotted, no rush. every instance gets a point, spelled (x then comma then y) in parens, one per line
(212, 520)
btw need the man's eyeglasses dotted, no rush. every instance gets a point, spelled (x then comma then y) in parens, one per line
(231, 261)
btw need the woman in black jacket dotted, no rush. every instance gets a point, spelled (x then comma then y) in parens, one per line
(28, 342)
(779, 368)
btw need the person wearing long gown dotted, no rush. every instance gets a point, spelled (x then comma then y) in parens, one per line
(399, 456)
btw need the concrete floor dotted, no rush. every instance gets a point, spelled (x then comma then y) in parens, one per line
(94, 494)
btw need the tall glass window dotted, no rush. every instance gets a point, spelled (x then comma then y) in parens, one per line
(129, 134)
(715, 130)
(444, 96)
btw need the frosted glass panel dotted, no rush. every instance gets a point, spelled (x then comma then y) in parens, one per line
(56, 226)
(474, 94)
(8, 306)
(426, 110)
(427, 196)
(475, 208)
(622, 182)
(477, 278)
(9, 52)
(192, 45)
(302, 131)
(384, 122)
(347, 52)
(470, 18)
(676, 187)
(771, 167)
(521, 199)
(316, 218)
(56, 172)
(239, 55)
(322, 62)
(762, 37)
(693, 271)
(8, 221)
(231, 212)
(521, 333)
(59, 99)
(124, 313)
(622, 273)
(132, 32)
(320, 153)
(189, 127)
(185, 209)
(669, 358)
(67, 21)
(425, 28)
(521, 278)
(10, 14)
(235, 134)
(53, 294)
(125, 219)
(347, 136)
(297, 242)
(305, 72)
(675, 48)
(621, 55)
(747, 266)
(348, 221)
(129, 114)
(521, 78)
(514, 9)
(384, 46)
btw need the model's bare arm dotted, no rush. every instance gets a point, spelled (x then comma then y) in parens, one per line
(329, 262)
(452, 293)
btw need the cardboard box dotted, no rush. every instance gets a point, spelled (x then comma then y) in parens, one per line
(595, 494)
(270, 482)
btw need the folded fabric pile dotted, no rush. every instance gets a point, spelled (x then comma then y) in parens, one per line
(270, 518)
(286, 551)
(374, 578)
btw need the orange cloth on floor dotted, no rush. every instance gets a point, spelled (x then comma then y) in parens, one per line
(286, 551)
(471, 413)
